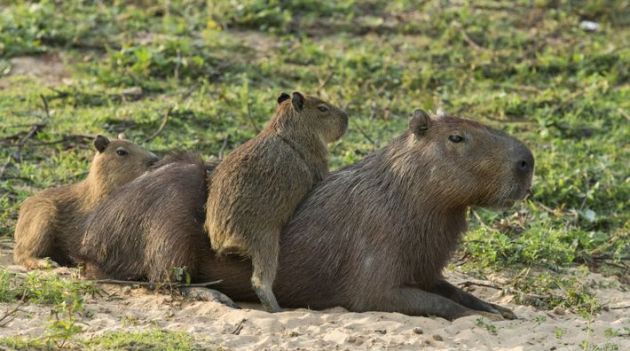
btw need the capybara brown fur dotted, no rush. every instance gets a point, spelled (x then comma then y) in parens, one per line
(254, 191)
(51, 222)
(149, 228)
(374, 236)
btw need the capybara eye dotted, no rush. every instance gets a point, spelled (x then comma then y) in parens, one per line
(322, 108)
(121, 152)
(456, 138)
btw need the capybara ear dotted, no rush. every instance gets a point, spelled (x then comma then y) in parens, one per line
(100, 143)
(122, 136)
(283, 97)
(419, 122)
(298, 101)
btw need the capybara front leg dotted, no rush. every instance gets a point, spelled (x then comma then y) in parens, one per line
(458, 295)
(416, 302)
(265, 265)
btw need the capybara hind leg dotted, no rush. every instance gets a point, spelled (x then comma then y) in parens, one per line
(34, 236)
(416, 302)
(463, 298)
(265, 264)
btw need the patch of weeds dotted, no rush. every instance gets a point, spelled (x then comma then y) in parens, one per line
(559, 332)
(491, 328)
(548, 291)
(588, 346)
(44, 288)
(151, 340)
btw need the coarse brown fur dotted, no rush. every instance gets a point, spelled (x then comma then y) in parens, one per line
(148, 228)
(372, 236)
(51, 222)
(254, 191)
(375, 236)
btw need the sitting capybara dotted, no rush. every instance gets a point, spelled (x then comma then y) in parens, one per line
(372, 236)
(149, 228)
(51, 222)
(375, 236)
(254, 191)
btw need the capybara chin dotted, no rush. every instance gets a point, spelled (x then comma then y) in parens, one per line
(375, 236)
(51, 222)
(254, 191)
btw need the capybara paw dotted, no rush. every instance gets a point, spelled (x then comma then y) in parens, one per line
(505, 312)
(205, 294)
(490, 316)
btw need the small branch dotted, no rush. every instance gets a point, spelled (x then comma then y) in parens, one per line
(6, 318)
(162, 125)
(365, 135)
(250, 118)
(46, 109)
(153, 285)
(479, 283)
(323, 83)
(223, 146)
(618, 307)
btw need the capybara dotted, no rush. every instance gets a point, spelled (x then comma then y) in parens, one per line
(372, 236)
(51, 222)
(152, 226)
(254, 191)
(375, 236)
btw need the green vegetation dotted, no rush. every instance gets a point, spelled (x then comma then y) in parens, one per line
(146, 341)
(212, 71)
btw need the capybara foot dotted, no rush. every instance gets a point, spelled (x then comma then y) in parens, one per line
(39, 263)
(268, 300)
(505, 312)
(489, 315)
(205, 294)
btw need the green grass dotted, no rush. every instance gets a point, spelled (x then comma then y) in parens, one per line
(524, 67)
(146, 341)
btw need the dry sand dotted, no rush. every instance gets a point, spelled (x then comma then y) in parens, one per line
(213, 324)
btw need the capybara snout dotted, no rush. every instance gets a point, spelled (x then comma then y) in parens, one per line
(492, 168)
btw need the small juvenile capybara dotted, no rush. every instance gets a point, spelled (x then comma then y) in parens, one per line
(152, 226)
(51, 222)
(375, 236)
(254, 191)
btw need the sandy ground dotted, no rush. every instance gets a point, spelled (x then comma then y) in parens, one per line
(213, 324)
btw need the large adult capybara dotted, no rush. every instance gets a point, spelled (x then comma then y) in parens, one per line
(372, 236)
(375, 236)
(254, 191)
(51, 222)
(152, 226)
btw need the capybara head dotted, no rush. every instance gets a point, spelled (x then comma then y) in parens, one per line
(320, 117)
(467, 162)
(119, 161)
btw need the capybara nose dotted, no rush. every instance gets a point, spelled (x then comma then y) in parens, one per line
(525, 165)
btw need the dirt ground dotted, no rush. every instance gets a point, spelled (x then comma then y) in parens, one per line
(212, 324)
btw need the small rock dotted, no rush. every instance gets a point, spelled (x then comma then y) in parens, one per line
(351, 339)
(381, 331)
(589, 26)
(293, 334)
(437, 337)
(418, 330)
(133, 92)
(559, 311)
